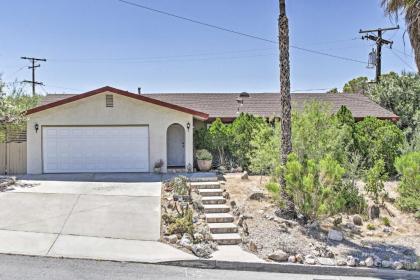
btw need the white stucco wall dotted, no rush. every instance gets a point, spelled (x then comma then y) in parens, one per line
(126, 111)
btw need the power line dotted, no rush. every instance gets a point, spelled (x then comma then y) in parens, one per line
(235, 32)
(402, 60)
(33, 67)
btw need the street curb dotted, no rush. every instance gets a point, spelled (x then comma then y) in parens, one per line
(297, 269)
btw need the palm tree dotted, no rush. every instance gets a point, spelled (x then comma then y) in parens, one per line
(286, 128)
(411, 8)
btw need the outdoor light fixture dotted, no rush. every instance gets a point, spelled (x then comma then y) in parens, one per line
(188, 126)
(36, 127)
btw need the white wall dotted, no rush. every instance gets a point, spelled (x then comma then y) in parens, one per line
(126, 111)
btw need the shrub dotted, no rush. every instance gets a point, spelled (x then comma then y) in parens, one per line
(183, 224)
(202, 139)
(179, 185)
(221, 138)
(316, 133)
(242, 132)
(386, 221)
(371, 227)
(265, 149)
(374, 181)
(313, 187)
(203, 154)
(378, 139)
(159, 163)
(408, 166)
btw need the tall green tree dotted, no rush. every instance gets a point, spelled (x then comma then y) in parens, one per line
(411, 11)
(356, 85)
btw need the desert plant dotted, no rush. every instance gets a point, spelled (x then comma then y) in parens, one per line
(179, 185)
(408, 166)
(374, 181)
(370, 227)
(203, 154)
(386, 221)
(182, 224)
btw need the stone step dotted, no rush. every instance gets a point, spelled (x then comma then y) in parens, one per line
(213, 200)
(223, 228)
(205, 185)
(216, 208)
(219, 218)
(226, 238)
(210, 192)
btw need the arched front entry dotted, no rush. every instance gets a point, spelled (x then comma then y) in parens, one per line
(175, 145)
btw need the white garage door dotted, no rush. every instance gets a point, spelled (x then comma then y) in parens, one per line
(95, 149)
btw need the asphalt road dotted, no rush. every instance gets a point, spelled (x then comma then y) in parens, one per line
(14, 267)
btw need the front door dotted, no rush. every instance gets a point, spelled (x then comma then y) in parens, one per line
(175, 145)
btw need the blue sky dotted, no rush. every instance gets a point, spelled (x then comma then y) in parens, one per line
(90, 44)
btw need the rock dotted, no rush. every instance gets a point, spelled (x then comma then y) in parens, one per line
(291, 259)
(279, 256)
(257, 195)
(338, 220)
(244, 175)
(245, 228)
(198, 237)
(253, 247)
(299, 258)
(233, 203)
(241, 220)
(357, 220)
(335, 235)
(397, 265)
(171, 238)
(198, 205)
(186, 241)
(226, 195)
(326, 261)
(373, 211)
(362, 263)
(341, 262)
(352, 261)
(386, 264)
(369, 262)
(301, 219)
(309, 259)
(202, 250)
(387, 229)
(314, 226)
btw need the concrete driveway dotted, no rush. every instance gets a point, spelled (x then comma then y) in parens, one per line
(102, 216)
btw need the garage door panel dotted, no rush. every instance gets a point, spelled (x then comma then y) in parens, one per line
(95, 149)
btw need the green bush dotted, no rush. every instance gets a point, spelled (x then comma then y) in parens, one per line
(179, 185)
(264, 153)
(316, 133)
(408, 166)
(378, 139)
(242, 131)
(374, 181)
(386, 221)
(203, 154)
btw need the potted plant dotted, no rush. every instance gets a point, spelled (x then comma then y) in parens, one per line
(181, 188)
(204, 159)
(158, 166)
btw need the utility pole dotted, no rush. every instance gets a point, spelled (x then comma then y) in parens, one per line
(33, 67)
(379, 42)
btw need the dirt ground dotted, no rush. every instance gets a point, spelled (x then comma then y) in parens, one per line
(398, 242)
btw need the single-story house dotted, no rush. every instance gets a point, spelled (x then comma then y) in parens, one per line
(111, 130)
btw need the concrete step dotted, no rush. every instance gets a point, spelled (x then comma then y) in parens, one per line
(226, 238)
(210, 192)
(213, 200)
(219, 218)
(205, 185)
(223, 228)
(216, 208)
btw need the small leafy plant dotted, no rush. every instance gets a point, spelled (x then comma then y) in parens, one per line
(182, 224)
(371, 227)
(203, 154)
(180, 185)
(386, 221)
(408, 166)
(159, 164)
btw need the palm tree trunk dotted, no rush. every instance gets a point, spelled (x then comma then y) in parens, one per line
(286, 129)
(412, 19)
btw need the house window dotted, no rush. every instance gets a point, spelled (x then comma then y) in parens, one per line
(109, 100)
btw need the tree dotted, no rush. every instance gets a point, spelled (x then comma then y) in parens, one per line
(219, 133)
(357, 85)
(411, 9)
(286, 116)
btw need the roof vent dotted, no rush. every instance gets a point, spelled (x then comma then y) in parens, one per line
(109, 100)
(244, 94)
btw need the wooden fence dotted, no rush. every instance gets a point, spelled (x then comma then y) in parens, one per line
(16, 158)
